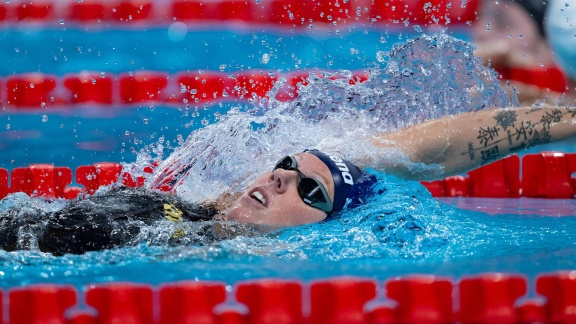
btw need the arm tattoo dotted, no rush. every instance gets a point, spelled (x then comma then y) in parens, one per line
(486, 135)
(524, 133)
(554, 117)
(506, 119)
(491, 154)
(471, 150)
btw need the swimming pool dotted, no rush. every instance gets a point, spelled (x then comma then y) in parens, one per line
(402, 231)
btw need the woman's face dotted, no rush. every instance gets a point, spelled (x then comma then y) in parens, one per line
(272, 201)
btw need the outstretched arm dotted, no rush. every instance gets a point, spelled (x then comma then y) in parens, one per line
(466, 141)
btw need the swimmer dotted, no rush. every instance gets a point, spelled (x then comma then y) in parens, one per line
(511, 34)
(303, 188)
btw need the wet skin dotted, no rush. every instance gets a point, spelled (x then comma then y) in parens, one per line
(272, 201)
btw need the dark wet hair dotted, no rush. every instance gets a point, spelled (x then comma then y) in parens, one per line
(536, 9)
(110, 220)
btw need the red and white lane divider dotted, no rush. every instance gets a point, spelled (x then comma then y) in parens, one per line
(544, 175)
(484, 298)
(36, 90)
(284, 13)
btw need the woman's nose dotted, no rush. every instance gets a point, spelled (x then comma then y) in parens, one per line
(283, 179)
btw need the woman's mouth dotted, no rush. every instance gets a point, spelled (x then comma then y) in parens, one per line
(258, 196)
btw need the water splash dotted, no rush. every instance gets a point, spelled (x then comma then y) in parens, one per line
(425, 78)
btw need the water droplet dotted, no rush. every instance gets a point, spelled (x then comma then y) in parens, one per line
(31, 85)
(44, 118)
(145, 121)
(61, 22)
(127, 133)
(265, 58)
(407, 72)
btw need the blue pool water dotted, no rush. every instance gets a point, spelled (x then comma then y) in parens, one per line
(400, 230)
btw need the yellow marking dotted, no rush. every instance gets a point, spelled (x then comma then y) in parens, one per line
(178, 233)
(172, 213)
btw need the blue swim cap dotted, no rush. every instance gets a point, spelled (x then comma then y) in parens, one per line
(344, 173)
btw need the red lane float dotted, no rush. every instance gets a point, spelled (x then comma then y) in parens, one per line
(490, 298)
(33, 90)
(88, 87)
(287, 13)
(551, 78)
(560, 292)
(340, 301)
(37, 90)
(483, 298)
(86, 12)
(34, 11)
(271, 301)
(548, 175)
(199, 88)
(500, 179)
(421, 299)
(121, 302)
(143, 87)
(40, 304)
(40, 180)
(544, 175)
(200, 299)
(127, 11)
(254, 85)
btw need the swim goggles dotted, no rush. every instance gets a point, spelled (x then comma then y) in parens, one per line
(312, 192)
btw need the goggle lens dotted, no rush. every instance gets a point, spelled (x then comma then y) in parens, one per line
(312, 192)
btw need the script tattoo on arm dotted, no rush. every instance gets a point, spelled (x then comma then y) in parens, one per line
(510, 135)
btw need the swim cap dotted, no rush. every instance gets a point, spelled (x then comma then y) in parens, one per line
(344, 173)
(561, 30)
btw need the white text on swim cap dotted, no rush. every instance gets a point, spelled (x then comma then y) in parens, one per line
(344, 168)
